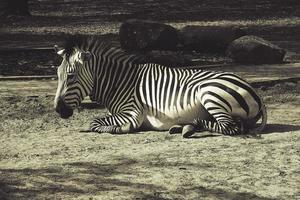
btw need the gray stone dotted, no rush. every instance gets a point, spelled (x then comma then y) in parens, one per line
(147, 35)
(167, 58)
(255, 50)
(207, 39)
(290, 84)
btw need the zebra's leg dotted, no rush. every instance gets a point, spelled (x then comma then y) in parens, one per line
(118, 123)
(188, 130)
(185, 130)
(176, 129)
(126, 128)
(225, 125)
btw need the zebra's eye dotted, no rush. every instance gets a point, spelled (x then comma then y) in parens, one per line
(70, 76)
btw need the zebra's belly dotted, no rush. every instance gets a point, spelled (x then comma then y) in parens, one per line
(164, 120)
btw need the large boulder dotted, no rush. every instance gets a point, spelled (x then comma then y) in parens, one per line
(207, 39)
(167, 58)
(255, 50)
(138, 35)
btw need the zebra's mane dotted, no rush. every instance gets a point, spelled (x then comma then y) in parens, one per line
(71, 43)
(91, 42)
(85, 42)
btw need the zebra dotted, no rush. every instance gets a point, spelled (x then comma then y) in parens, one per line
(148, 96)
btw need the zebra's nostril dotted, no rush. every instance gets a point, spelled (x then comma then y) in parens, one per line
(59, 105)
(64, 111)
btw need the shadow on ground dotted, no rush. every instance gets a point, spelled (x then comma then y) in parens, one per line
(222, 194)
(280, 128)
(270, 128)
(71, 180)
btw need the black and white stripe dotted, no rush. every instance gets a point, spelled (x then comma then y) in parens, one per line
(157, 97)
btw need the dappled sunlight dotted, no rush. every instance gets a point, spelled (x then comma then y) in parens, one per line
(87, 179)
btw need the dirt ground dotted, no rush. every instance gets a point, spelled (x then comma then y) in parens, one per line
(45, 157)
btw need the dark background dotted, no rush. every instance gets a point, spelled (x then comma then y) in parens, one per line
(50, 21)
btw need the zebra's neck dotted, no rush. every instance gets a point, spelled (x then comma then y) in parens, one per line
(115, 74)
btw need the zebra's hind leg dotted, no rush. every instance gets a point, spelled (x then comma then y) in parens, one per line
(176, 129)
(188, 131)
(226, 126)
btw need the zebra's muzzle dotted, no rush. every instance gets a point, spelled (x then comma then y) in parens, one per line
(64, 111)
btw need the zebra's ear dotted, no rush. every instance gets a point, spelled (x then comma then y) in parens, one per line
(60, 52)
(55, 48)
(85, 56)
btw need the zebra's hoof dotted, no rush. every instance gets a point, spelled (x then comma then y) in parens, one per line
(175, 129)
(187, 131)
(242, 128)
(126, 128)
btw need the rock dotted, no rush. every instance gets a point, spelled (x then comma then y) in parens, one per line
(255, 50)
(138, 35)
(167, 58)
(209, 39)
(290, 85)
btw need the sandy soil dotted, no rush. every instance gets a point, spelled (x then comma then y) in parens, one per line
(45, 157)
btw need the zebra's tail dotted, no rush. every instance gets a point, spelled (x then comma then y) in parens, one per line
(260, 127)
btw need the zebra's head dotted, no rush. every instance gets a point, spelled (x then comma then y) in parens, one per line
(74, 80)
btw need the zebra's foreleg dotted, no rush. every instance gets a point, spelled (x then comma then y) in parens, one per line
(126, 128)
(117, 123)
